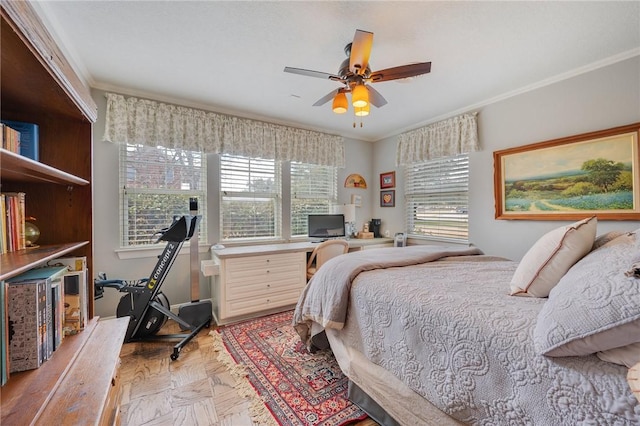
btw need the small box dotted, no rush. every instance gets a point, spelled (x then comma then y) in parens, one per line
(365, 235)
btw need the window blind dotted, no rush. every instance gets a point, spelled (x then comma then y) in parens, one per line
(155, 185)
(313, 190)
(436, 199)
(250, 191)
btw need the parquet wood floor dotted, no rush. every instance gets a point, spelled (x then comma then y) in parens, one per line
(194, 390)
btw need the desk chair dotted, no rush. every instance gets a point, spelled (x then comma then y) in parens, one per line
(323, 252)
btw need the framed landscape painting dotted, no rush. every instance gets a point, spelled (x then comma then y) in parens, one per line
(571, 178)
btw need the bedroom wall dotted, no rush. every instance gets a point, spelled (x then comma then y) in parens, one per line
(136, 263)
(600, 99)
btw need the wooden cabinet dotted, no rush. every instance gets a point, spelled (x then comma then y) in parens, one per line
(252, 284)
(247, 281)
(39, 86)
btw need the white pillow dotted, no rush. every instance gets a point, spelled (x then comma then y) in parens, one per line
(551, 257)
(605, 238)
(627, 355)
(595, 306)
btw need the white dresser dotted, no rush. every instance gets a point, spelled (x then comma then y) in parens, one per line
(256, 279)
(260, 279)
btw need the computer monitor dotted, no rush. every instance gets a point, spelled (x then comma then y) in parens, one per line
(326, 226)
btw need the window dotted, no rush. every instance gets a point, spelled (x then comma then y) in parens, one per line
(250, 191)
(313, 190)
(156, 184)
(436, 199)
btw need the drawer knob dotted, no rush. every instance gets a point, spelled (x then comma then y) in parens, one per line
(268, 285)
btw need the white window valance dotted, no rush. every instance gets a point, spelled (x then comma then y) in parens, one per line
(446, 138)
(132, 120)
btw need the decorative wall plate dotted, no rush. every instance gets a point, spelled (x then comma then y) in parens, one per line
(354, 180)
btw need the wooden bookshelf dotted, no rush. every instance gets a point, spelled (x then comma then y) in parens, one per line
(85, 364)
(17, 262)
(39, 86)
(18, 168)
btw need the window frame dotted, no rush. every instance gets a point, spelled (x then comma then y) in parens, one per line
(443, 181)
(126, 191)
(275, 196)
(329, 196)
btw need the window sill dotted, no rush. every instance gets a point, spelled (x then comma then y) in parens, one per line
(154, 251)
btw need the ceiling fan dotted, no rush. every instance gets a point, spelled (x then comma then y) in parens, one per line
(355, 75)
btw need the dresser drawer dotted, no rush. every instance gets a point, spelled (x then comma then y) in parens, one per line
(263, 303)
(242, 266)
(259, 276)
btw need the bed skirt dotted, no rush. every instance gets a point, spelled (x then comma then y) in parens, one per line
(398, 401)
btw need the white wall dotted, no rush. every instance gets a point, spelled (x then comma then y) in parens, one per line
(107, 235)
(600, 99)
(359, 159)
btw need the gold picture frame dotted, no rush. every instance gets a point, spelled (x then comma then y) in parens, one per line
(571, 178)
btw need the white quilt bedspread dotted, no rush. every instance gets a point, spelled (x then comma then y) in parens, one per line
(450, 331)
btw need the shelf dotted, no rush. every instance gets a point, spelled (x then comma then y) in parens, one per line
(27, 394)
(19, 168)
(16, 262)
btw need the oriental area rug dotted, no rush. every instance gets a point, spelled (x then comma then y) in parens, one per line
(288, 385)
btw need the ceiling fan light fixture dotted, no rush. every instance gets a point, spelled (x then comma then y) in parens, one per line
(359, 96)
(362, 112)
(340, 103)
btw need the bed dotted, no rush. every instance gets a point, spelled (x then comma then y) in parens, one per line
(439, 335)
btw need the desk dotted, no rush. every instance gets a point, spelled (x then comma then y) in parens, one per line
(253, 250)
(247, 281)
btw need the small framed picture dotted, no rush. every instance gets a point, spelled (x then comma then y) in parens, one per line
(356, 200)
(388, 198)
(387, 180)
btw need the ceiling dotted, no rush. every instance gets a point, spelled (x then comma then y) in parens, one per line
(229, 56)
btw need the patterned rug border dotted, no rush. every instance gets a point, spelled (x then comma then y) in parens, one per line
(282, 382)
(258, 410)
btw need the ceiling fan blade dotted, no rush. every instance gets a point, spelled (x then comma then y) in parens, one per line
(310, 73)
(375, 97)
(360, 51)
(404, 71)
(329, 96)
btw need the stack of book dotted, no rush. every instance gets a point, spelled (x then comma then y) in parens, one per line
(37, 310)
(4, 335)
(21, 138)
(12, 221)
(10, 138)
(34, 305)
(75, 293)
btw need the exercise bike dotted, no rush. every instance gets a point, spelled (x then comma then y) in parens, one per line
(146, 306)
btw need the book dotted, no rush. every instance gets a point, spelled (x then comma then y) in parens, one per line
(57, 312)
(29, 138)
(3, 224)
(10, 138)
(24, 314)
(72, 303)
(4, 335)
(26, 344)
(14, 226)
(74, 293)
